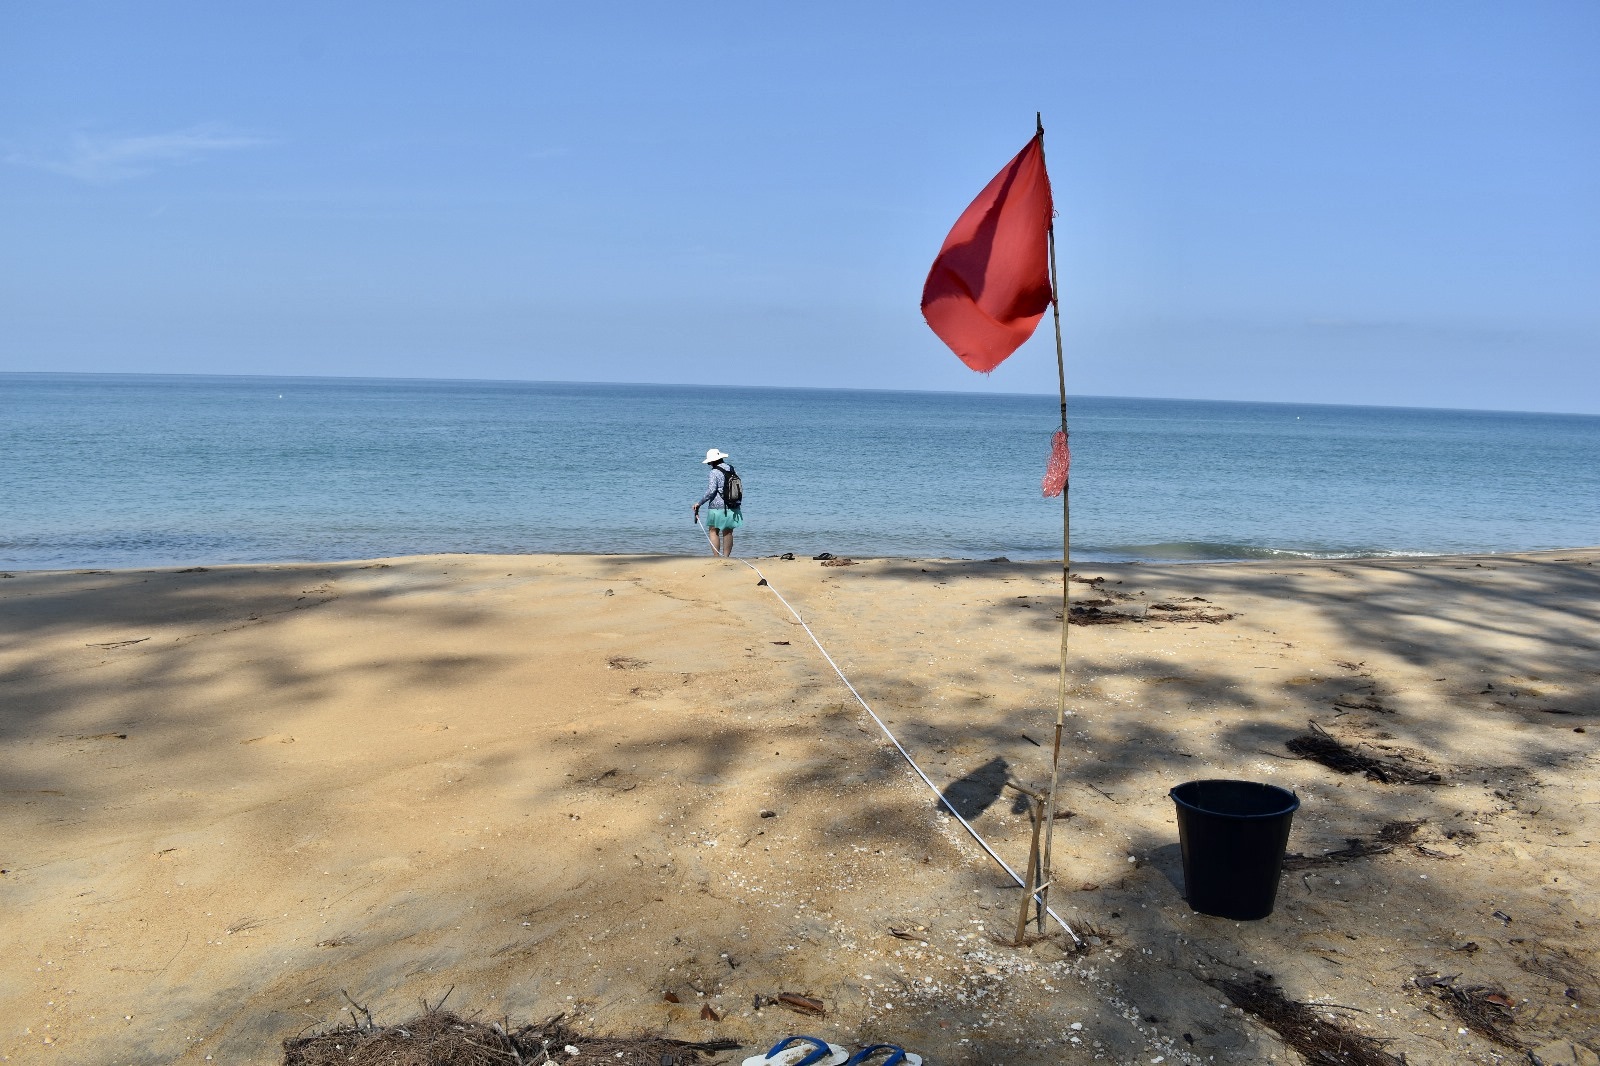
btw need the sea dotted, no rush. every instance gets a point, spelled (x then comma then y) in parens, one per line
(106, 471)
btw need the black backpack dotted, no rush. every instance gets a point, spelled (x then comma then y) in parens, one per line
(732, 489)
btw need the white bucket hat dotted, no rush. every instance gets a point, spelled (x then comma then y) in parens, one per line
(713, 456)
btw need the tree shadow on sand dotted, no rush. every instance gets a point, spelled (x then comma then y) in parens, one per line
(1147, 949)
(1515, 647)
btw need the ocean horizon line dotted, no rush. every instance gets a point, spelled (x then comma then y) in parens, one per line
(701, 386)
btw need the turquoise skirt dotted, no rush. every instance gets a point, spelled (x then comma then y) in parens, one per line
(717, 518)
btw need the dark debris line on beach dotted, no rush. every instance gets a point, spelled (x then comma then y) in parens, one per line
(1321, 747)
(440, 1038)
(1486, 1010)
(1322, 1042)
(1392, 835)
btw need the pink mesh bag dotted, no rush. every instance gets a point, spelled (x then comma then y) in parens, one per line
(1055, 472)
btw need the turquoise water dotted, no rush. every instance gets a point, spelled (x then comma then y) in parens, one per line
(134, 470)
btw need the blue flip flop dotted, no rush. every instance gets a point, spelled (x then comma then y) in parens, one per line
(800, 1051)
(897, 1056)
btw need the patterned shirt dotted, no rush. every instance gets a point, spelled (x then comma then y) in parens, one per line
(714, 487)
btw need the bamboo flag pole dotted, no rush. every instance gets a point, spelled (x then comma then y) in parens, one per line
(982, 299)
(1048, 876)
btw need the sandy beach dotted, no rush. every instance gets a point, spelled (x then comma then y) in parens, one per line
(631, 788)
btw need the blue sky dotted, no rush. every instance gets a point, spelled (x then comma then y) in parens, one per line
(1350, 203)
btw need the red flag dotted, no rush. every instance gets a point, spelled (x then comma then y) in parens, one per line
(990, 284)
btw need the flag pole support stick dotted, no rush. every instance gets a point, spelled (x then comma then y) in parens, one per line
(1036, 884)
(1047, 874)
(1036, 809)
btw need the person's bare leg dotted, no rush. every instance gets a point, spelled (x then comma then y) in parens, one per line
(715, 537)
(727, 544)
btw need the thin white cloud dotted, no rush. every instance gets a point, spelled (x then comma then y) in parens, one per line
(105, 159)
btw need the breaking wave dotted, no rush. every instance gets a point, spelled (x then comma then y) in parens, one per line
(1205, 551)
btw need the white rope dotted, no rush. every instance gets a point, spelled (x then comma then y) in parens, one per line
(982, 843)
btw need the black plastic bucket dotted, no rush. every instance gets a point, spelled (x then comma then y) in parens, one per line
(1233, 834)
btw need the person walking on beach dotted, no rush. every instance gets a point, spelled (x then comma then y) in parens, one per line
(725, 495)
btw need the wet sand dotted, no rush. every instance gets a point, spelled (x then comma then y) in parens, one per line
(569, 783)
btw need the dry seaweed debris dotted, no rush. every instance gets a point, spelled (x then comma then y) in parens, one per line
(1091, 615)
(1487, 1011)
(1320, 746)
(1356, 703)
(1185, 612)
(1558, 964)
(1105, 611)
(441, 1038)
(1392, 835)
(1321, 1042)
